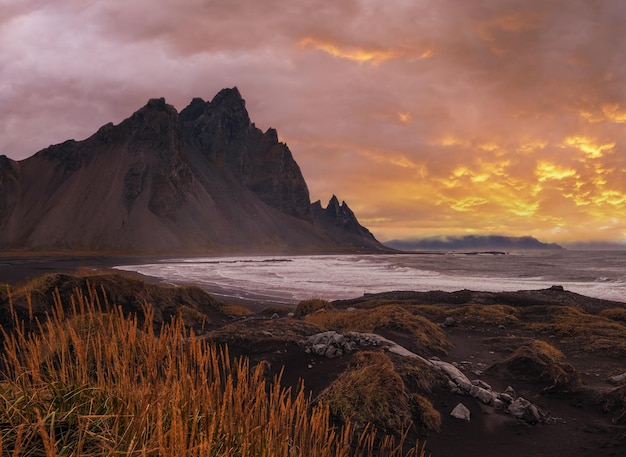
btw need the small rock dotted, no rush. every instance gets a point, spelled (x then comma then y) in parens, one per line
(524, 410)
(275, 316)
(266, 333)
(449, 322)
(484, 395)
(460, 411)
(290, 314)
(319, 349)
(481, 383)
(498, 404)
(617, 379)
(333, 352)
(351, 309)
(510, 391)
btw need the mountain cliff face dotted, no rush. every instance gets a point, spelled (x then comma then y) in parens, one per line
(203, 180)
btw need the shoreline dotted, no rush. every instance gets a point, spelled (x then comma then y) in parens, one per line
(16, 271)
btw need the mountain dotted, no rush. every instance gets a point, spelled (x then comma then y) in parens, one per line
(203, 180)
(482, 242)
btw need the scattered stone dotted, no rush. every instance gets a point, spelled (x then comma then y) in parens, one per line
(332, 352)
(460, 411)
(617, 379)
(266, 333)
(498, 404)
(484, 395)
(449, 322)
(319, 349)
(481, 383)
(275, 316)
(510, 391)
(524, 410)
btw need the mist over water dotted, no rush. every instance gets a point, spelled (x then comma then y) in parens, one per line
(289, 279)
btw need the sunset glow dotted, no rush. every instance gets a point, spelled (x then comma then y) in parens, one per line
(428, 119)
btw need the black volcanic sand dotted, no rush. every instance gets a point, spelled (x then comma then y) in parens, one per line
(578, 427)
(16, 270)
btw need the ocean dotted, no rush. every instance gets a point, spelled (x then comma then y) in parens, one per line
(289, 279)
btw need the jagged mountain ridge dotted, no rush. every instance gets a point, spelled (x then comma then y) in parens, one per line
(204, 179)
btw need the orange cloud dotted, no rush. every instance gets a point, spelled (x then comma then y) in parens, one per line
(550, 171)
(614, 113)
(375, 56)
(589, 146)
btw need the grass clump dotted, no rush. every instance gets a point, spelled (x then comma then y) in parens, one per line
(471, 314)
(369, 392)
(93, 383)
(538, 361)
(421, 332)
(615, 314)
(585, 331)
(306, 307)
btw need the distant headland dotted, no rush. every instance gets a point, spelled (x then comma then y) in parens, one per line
(473, 242)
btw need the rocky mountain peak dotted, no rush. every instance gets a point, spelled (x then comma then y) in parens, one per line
(206, 178)
(341, 221)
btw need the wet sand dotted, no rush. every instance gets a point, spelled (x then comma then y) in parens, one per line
(16, 270)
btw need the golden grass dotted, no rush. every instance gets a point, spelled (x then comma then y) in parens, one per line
(306, 307)
(370, 391)
(615, 314)
(588, 332)
(91, 383)
(234, 310)
(539, 361)
(471, 314)
(387, 317)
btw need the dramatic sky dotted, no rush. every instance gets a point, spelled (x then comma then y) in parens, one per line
(440, 117)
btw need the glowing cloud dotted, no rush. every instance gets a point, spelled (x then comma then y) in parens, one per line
(588, 146)
(375, 56)
(614, 113)
(548, 171)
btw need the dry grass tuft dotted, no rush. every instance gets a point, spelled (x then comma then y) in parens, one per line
(615, 314)
(307, 307)
(471, 314)
(538, 361)
(395, 318)
(585, 331)
(369, 392)
(234, 310)
(93, 383)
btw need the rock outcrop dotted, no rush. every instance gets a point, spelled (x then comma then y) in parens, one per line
(341, 223)
(205, 179)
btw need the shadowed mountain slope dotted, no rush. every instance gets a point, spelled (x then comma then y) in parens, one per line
(205, 179)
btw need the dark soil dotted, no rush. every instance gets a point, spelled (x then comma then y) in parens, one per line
(578, 426)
